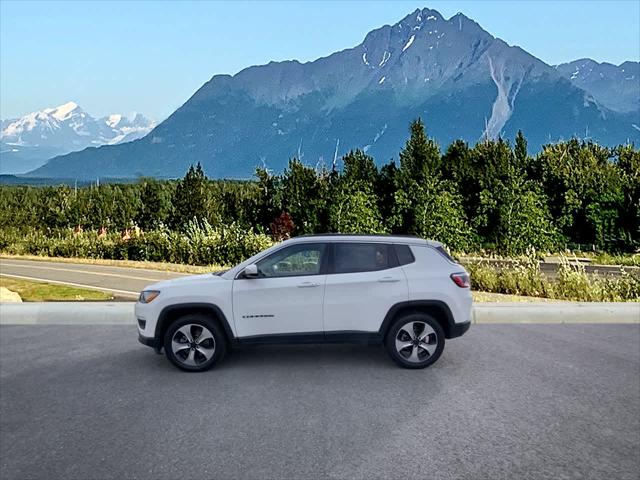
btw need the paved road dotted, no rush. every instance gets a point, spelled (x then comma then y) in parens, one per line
(504, 401)
(122, 282)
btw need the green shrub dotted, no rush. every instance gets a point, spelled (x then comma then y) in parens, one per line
(200, 244)
(571, 282)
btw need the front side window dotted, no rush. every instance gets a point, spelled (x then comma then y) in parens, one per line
(361, 257)
(296, 260)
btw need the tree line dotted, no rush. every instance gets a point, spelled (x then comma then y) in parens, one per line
(493, 196)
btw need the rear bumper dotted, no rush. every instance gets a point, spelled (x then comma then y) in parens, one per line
(459, 329)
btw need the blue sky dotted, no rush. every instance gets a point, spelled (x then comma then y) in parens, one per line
(151, 56)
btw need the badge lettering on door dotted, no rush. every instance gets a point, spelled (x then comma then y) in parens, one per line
(257, 316)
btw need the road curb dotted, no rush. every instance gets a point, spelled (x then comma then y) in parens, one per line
(67, 313)
(557, 312)
(121, 313)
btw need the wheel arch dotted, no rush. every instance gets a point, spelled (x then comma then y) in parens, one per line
(437, 309)
(170, 313)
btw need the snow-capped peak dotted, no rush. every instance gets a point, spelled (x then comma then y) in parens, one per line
(68, 128)
(63, 111)
(113, 119)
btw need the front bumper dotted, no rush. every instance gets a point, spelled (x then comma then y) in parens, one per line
(149, 342)
(459, 329)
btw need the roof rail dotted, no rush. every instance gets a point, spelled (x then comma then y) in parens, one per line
(307, 235)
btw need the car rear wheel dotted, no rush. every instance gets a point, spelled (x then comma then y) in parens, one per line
(195, 343)
(415, 340)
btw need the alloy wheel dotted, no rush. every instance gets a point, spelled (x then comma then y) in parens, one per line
(416, 341)
(193, 344)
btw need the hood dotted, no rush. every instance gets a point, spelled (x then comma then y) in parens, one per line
(185, 281)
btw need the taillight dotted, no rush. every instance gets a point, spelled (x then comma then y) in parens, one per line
(461, 279)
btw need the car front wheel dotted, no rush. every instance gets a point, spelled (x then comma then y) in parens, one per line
(194, 343)
(415, 340)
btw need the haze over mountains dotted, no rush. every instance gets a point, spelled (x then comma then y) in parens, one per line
(461, 80)
(614, 86)
(27, 142)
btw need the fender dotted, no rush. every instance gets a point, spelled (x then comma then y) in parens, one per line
(448, 328)
(211, 308)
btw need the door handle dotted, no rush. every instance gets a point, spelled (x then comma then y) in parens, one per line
(388, 280)
(308, 285)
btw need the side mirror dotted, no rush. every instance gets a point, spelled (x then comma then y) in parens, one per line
(250, 271)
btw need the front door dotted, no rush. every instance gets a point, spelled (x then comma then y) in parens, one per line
(287, 295)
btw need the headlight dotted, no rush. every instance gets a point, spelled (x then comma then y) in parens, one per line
(147, 296)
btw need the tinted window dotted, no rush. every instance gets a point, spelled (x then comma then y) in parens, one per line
(303, 259)
(445, 254)
(361, 257)
(405, 256)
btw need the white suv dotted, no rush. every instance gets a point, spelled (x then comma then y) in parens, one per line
(404, 292)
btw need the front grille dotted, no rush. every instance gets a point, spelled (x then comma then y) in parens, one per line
(142, 323)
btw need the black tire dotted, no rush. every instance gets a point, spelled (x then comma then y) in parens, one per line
(419, 355)
(198, 362)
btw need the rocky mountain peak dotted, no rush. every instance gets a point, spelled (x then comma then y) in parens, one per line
(463, 82)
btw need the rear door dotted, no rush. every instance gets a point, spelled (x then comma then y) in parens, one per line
(364, 281)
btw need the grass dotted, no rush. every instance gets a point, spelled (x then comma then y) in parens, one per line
(161, 266)
(485, 297)
(630, 260)
(31, 291)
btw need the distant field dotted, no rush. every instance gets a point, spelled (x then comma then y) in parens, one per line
(6, 179)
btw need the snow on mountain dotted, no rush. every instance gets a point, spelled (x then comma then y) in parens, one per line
(27, 142)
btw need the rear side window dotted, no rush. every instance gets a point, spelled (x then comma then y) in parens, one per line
(405, 256)
(361, 257)
(445, 254)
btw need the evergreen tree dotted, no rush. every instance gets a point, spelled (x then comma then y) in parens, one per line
(492, 169)
(360, 171)
(420, 157)
(419, 161)
(190, 198)
(520, 151)
(267, 205)
(300, 197)
(155, 205)
(385, 189)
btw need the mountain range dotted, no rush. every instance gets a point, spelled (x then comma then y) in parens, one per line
(462, 81)
(27, 142)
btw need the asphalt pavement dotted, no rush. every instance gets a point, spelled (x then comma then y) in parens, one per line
(123, 282)
(503, 402)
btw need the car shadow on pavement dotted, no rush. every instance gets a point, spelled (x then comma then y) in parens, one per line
(307, 356)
